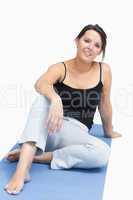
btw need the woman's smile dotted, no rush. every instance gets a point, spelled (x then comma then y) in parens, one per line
(87, 52)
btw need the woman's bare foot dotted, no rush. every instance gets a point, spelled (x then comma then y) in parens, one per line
(16, 183)
(13, 155)
(46, 157)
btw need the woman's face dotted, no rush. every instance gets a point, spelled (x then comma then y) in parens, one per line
(89, 46)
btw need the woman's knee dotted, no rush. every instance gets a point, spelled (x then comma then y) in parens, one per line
(41, 102)
(103, 154)
(40, 107)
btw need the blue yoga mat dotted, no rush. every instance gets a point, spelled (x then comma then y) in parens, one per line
(47, 184)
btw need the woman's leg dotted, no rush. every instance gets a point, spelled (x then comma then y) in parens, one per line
(14, 155)
(72, 142)
(86, 156)
(74, 147)
(95, 154)
(33, 136)
(16, 183)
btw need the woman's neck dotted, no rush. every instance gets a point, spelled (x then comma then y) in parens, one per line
(82, 66)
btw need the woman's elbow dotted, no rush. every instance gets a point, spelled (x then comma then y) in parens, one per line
(37, 86)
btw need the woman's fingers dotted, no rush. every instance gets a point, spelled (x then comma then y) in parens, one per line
(48, 120)
(60, 122)
(50, 124)
(54, 124)
(55, 117)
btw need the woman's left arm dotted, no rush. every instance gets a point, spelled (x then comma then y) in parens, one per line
(105, 107)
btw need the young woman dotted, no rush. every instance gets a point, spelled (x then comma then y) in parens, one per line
(57, 129)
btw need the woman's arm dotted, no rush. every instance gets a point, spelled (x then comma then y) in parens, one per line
(105, 106)
(44, 85)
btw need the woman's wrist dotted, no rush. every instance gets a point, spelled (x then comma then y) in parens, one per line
(108, 131)
(55, 97)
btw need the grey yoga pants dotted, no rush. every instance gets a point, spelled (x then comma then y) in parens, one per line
(72, 145)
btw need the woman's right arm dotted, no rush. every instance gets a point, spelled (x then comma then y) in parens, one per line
(44, 86)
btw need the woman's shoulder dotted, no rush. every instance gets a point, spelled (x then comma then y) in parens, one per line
(106, 71)
(105, 67)
(58, 68)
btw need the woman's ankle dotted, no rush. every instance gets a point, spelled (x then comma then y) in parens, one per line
(46, 157)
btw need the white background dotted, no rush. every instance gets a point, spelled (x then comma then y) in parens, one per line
(36, 34)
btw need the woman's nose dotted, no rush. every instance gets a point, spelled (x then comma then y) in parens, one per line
(90, 46)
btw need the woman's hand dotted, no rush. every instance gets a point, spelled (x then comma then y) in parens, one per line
(55, 115)
(114, 134)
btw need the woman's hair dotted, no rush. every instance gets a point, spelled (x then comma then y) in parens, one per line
(99, 30)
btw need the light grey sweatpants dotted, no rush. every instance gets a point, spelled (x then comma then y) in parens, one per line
(72, 145)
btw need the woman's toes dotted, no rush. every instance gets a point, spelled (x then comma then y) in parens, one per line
(13, 155)
(10, 158)
(15, 185)
(14, 190)
(17, 191)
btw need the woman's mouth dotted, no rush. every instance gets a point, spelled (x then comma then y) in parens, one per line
(87, 53)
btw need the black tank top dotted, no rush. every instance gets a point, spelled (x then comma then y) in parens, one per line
(80, 104)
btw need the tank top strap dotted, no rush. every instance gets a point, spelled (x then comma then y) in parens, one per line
(100, 65)
(65, 72)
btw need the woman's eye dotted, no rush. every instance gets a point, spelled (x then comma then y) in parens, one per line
(97, 45)
(87, 41)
